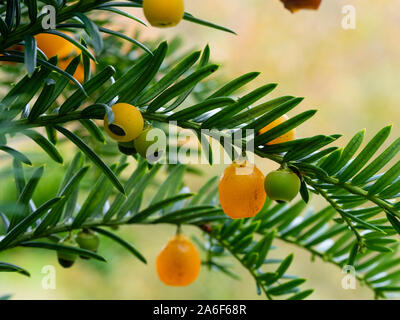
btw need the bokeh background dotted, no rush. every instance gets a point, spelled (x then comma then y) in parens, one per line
(351, 76)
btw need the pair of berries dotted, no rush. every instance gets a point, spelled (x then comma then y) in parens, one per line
(86, 239)
(128, 129)
(168, 13)
(178, 263)
(242, 193)
(243, 189)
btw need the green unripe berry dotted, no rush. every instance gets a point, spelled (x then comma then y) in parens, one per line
(127, 148)
(66, 259)
(282, 185)
(149, 144)
(88, 240)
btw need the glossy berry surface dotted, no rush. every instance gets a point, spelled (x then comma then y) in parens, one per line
(88, 240)
(178, 263)
(127, 125)
(146, 144)
(66, 259)
(163, 13)
(54, 45)
(288, 136)
(282, 185)
(127, 148)
(296, 5)
(241, 190)
(79, 73)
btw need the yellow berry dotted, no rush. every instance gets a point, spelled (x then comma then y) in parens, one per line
(288, 136)
(127, 125)
(163, 13)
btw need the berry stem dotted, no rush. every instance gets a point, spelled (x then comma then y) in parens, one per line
(178, 229)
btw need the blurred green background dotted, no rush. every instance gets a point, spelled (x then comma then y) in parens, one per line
(351, 76)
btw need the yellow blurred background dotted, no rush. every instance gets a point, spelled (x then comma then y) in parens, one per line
(351, 76)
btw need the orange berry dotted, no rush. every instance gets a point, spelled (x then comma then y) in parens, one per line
(241, 191)
(296, 5)
(79, 73)
(54, 45)
(16, 47)
(178, 264)
(288, 136)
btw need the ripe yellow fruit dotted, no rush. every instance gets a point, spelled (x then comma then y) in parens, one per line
(79, 73)
(288, 136)
(241, 191)
(127, 125)
(54, 45)
(163, 13)
(178, 263)
(296, 5)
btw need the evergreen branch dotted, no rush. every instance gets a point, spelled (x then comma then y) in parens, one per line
(251, 271)
(338, 209)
